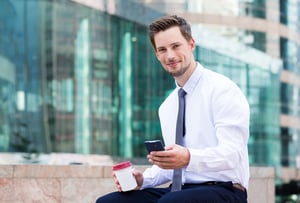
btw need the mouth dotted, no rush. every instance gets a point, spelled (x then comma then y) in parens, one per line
(172, 64)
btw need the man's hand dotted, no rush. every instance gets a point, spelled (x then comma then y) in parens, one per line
(174, 156)
(138, 177)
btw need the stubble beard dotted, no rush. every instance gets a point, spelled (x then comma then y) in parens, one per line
(181, 71)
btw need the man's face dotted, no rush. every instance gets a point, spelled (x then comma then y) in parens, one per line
(173, 51)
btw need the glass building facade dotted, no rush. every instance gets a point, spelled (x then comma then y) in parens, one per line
(272, 27)
(81, 76)
(76, 79)
(84, 79)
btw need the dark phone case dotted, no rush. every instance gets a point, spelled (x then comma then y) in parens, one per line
(154, 145)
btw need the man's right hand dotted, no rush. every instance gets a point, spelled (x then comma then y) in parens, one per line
(138, 177)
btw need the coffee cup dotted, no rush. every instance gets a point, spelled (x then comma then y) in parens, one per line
(123, 172)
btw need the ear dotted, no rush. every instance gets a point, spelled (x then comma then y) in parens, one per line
(192, 44)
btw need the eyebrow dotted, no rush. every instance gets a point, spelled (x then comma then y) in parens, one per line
(172, 44)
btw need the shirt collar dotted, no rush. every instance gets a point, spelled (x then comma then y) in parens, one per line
(190, 85)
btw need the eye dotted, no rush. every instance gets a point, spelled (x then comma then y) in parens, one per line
(176, 45)
(161, 50)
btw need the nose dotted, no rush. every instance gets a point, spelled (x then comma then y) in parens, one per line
(170, 54)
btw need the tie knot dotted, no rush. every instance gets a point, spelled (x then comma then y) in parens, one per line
(181, 92)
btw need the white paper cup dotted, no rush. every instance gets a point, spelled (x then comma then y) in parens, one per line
(124, 175)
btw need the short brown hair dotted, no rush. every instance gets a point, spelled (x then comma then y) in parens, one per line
(167, 22)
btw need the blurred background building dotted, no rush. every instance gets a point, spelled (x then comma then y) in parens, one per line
(80, 76)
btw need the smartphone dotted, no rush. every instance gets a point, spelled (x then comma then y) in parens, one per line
(154, 145)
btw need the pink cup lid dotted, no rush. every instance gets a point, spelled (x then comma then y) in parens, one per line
(121, 165)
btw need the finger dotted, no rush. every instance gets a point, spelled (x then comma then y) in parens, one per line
(159, 153)
(164, 165)
(169, 147)
(119, 188)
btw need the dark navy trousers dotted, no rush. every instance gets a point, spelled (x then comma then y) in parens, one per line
(190, 193)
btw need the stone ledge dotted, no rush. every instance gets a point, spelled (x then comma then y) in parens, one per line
(84, 183)
(288, 174)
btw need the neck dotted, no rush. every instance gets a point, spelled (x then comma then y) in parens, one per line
(181, 80)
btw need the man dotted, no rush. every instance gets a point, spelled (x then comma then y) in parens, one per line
(212, 156)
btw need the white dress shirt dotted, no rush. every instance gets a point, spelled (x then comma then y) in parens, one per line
(217, 130)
